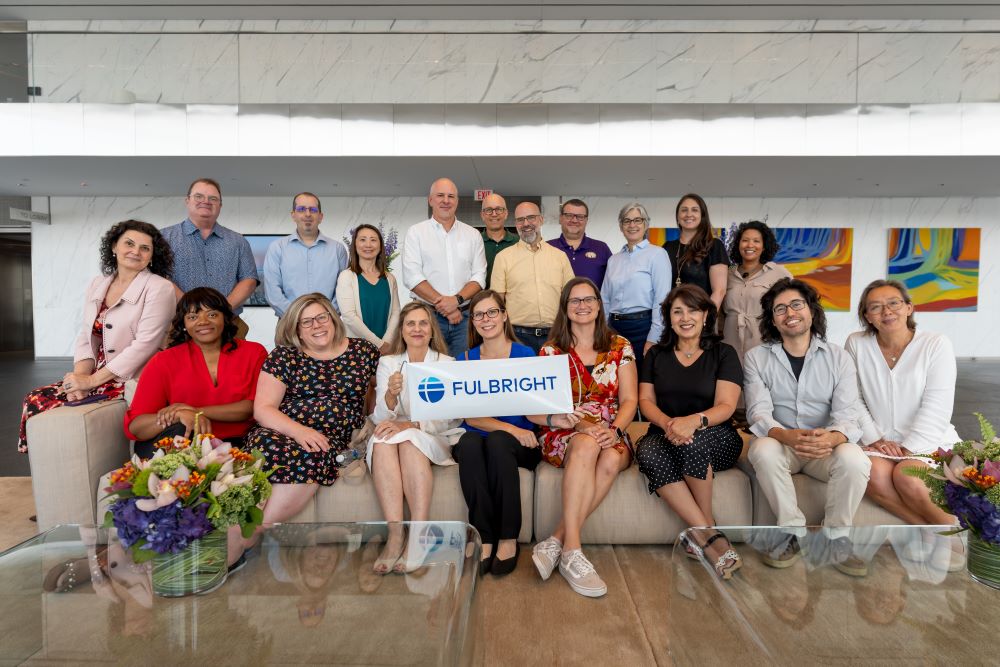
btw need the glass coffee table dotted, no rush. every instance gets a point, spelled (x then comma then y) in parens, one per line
(308, 594)
(887, 598)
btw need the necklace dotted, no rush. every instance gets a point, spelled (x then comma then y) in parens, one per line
(894, 355)
(687, 355)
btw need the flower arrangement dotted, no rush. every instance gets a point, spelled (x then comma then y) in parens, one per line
(189, 489)
(389, 238)
(966, 482)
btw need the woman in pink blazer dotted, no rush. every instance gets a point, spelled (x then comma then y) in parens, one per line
(126, 313)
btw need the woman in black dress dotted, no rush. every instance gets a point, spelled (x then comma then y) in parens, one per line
(688, 388)
(698, 258)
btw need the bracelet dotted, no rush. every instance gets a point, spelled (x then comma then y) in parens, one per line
(548, 420)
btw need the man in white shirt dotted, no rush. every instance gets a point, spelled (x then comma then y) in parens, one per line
(444, 264)
(802, 396)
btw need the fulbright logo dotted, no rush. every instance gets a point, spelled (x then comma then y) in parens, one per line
(430, 390)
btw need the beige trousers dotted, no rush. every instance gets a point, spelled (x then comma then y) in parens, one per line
(845, 471)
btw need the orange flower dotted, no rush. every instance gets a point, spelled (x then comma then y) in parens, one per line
(982, 481)
(123, 474)
(240, 456)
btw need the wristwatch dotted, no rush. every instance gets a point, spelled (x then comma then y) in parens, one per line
(704, 422)
(462, 301)
(620, 434)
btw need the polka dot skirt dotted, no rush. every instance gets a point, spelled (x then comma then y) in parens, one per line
(663, 463)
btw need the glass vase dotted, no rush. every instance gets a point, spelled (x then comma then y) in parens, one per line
(984, 561)
(200, 568)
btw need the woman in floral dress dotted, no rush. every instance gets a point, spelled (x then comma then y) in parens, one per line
(310, 398)
(590, 444)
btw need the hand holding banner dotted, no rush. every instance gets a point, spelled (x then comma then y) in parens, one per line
(490, 388)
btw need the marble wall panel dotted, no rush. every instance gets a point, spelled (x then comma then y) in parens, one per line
(930, 68)
(445, 65)
(136, 67)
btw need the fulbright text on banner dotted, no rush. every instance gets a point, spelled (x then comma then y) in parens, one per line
(490, 388)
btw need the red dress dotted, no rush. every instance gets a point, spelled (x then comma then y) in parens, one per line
(52, 395)
(179, 374)
(594, 391)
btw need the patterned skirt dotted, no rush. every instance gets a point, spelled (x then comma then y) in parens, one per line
(52, 396)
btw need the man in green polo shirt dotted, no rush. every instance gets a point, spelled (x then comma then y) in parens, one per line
(495, 236)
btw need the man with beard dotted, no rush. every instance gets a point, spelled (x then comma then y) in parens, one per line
(531, 275)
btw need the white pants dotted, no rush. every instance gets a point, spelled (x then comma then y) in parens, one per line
(845, 471)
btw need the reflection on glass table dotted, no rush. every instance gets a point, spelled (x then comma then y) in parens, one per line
(309, 593)
(872, 594)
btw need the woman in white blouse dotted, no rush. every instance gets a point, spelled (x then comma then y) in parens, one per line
(907, 381)
(401, 451)
(366, 291)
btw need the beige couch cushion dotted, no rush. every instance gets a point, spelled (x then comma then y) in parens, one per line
(630, 515)
(69, 448)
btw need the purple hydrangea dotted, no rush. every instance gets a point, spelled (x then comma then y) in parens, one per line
(974, 511)
(166, 530)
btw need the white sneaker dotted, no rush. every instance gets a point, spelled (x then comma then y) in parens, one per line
(580, 574)
(545, 556)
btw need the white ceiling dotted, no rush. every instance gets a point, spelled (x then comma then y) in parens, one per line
(410, 176)
(475, 9)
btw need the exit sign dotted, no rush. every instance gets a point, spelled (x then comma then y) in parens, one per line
(483, 194)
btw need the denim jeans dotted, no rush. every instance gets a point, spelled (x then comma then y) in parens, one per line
(456, 336)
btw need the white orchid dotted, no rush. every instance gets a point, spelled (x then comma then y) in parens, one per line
(164, 492)
(226, 480)
(210, 454)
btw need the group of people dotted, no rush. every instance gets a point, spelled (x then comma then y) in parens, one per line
(697, 339)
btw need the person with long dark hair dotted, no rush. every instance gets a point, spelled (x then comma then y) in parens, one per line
(126, 312)
(751, 274)
(688, 388)
(590, 444)
(697, 257)
(205, 381)
(802, 398)
(366, 290)
(493, 448)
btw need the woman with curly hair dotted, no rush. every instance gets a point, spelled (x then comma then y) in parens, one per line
(205, 370)
(750, 276)
(126, 312)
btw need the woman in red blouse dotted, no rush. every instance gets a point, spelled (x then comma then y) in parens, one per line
(205, 369)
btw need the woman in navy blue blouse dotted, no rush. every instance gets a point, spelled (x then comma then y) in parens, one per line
(493, 448)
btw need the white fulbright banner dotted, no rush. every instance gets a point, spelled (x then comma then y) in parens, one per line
(490, 388)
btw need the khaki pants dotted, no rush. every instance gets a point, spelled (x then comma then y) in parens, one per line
(845, 471)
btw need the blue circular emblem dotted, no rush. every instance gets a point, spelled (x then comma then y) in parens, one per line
(431, 389)
(430, 537)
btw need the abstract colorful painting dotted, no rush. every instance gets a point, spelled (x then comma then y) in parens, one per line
(939, 266)
(819, 256)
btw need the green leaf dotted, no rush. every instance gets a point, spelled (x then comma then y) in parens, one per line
(108, 520)
(986, 428)
(142, 555)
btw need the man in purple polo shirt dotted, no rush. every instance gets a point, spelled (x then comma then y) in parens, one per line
(588, 257)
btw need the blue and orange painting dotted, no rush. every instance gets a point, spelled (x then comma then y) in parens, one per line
(939, 266)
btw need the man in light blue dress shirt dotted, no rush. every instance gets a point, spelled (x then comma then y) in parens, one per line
(802, 398)
(303, 262)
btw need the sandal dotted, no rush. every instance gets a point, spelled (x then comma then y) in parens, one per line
(727, 563)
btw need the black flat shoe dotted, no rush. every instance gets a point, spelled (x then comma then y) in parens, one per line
(486, 564)
(507, 565)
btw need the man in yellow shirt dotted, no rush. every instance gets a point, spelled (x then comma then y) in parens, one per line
(531, 275)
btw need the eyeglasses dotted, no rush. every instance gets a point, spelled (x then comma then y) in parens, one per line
(528, 218)
(795, 304)
(303, 209)
(496, 210)
(492, 313)
(633, 221)
(580, 301)
(310, 322)
(211, 199)
(892, 304)
(578, 217)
